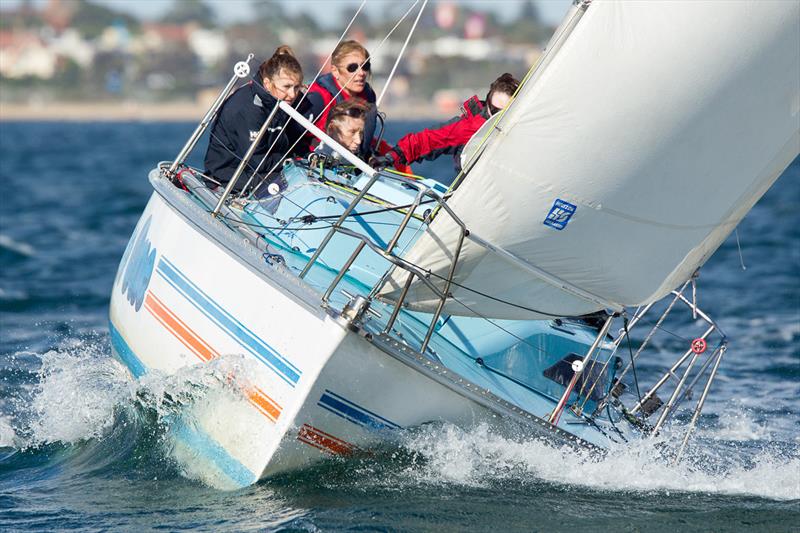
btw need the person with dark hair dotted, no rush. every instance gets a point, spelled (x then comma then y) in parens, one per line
(243, 114)
(346, 122)
(450, 137)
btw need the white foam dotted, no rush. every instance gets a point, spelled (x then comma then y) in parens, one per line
(740, 426)
(76, 395)
(8, 437)
(81, 390)
(478, 456)
(19, 247)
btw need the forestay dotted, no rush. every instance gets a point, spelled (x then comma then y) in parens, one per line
(625, 161)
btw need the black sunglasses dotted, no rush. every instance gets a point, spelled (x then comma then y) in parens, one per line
(352, 112)
(352, 67)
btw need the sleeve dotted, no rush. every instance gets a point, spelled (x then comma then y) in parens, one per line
(275, 138)
(220, 161)
(431, 143)
(315, 103)
(295, 131)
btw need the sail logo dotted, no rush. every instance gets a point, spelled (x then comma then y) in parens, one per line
(560, 214)
(139, 268)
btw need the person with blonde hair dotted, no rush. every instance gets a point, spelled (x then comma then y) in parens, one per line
(348, 79)
(243, 114)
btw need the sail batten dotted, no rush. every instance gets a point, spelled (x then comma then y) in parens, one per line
(625, 161)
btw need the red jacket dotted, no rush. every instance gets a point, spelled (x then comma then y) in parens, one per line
(449, 138)
(321, 94)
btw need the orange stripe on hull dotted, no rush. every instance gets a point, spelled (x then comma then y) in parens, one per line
(324, 441)
(183, 332)
(266, 405)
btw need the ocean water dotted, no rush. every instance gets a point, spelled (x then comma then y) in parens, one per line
(82, 444)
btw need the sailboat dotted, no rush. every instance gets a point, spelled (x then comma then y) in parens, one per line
(367, 302)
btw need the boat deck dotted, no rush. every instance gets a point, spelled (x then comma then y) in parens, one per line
(506, 357)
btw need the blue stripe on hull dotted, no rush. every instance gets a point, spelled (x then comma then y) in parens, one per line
(191, 437)
(201, 443)
(353, 412)
(125, 353)
(235, 329)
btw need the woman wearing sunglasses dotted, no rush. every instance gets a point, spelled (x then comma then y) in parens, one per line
(350, 69)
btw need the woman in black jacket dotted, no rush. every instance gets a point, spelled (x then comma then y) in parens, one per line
(242, 115)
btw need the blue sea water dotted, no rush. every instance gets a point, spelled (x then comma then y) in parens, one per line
(81, 442)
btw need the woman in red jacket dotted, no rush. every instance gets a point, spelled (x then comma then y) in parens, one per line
(451, 137)
(350, 69)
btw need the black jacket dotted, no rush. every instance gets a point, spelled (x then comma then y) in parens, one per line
(237, 125)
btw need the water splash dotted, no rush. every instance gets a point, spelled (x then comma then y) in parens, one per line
(81, 395)
(480, 457)
(76, 396)
(8, 437)
(82, 399)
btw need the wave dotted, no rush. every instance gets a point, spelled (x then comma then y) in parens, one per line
(85, 410)
(20, 248)
(480, 457)
(83, 402)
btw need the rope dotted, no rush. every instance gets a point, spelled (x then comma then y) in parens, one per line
(400, 55)
(633, 364)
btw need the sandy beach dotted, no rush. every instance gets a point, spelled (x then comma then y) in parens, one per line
(178, 111)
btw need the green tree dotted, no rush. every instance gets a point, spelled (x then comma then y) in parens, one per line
(270, 15)
(91, 19)
(527, 27)
(184, 11)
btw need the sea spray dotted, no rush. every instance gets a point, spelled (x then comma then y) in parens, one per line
(80, 395)
(75, 398)
(479, 457)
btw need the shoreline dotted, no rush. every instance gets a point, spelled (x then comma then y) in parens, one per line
(178, 111)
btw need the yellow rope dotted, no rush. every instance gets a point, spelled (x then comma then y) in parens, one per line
(405, 174)
(373, 199)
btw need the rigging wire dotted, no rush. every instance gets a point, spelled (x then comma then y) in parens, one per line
(400, 55)
(484, 295)
(633, 364)
(333, 100)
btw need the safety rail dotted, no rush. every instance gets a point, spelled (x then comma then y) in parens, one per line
(388, 254)
(242, 70)
(649, 403)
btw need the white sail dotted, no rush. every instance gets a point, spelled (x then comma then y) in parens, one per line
(625, 161)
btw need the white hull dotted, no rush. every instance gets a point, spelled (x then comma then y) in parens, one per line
(314, 388)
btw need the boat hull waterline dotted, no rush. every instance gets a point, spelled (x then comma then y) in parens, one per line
(315, 389)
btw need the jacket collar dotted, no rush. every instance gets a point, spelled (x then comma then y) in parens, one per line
(261, 97)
